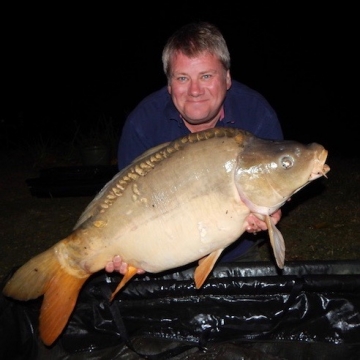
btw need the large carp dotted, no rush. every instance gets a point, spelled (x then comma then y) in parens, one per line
(183, 201)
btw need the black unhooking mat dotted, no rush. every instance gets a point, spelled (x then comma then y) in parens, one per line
(310, 310)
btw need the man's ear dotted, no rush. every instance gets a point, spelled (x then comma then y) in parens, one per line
(228, 80)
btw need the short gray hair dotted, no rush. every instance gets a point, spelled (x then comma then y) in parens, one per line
(194, 39)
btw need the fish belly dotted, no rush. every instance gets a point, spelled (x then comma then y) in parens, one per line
(182, 236)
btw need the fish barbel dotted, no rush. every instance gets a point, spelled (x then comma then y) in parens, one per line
(179, 202)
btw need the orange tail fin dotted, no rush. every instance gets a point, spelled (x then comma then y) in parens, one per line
(43, 275)
(59, 301)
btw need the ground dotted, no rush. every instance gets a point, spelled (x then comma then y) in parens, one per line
(319, 223)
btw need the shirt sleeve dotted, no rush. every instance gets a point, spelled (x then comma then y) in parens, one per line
(131, 144)
(268, 125)
(247, 109)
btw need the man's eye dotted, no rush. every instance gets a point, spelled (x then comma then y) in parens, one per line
(206, 76)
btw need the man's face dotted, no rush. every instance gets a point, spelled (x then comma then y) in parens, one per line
(198, 87)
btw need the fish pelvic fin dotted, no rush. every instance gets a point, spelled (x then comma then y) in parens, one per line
(205, 266)
(131, 271)
(44, 275)
(277, 242)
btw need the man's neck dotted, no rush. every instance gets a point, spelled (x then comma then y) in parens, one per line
(200, 127)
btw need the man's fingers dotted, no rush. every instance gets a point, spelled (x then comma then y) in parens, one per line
(109, 267)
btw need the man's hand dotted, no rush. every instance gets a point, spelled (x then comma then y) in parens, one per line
(118, 265)
(254, 225)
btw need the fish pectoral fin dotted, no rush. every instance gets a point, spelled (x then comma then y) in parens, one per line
(205, 266)
(132, 271)
(277, 242)
(58, 303)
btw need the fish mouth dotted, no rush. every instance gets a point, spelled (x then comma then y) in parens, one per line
(320, 168)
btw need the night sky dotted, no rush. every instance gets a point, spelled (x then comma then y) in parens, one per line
(61, 64)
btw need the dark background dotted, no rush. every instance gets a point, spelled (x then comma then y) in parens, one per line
(65, 64)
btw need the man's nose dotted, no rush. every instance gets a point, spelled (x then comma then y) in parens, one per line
(195, 89)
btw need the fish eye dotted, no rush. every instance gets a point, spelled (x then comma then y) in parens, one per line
(287, 162)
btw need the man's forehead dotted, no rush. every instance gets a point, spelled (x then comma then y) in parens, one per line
(203, 63)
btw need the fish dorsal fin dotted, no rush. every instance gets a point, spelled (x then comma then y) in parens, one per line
(205, 266)
(131, 271)
(277, 242)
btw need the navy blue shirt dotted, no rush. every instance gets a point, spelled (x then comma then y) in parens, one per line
(155, 120)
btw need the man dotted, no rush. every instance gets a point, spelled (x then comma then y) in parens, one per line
(200, 94)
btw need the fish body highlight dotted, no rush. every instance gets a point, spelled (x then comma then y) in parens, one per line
(180, 202)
